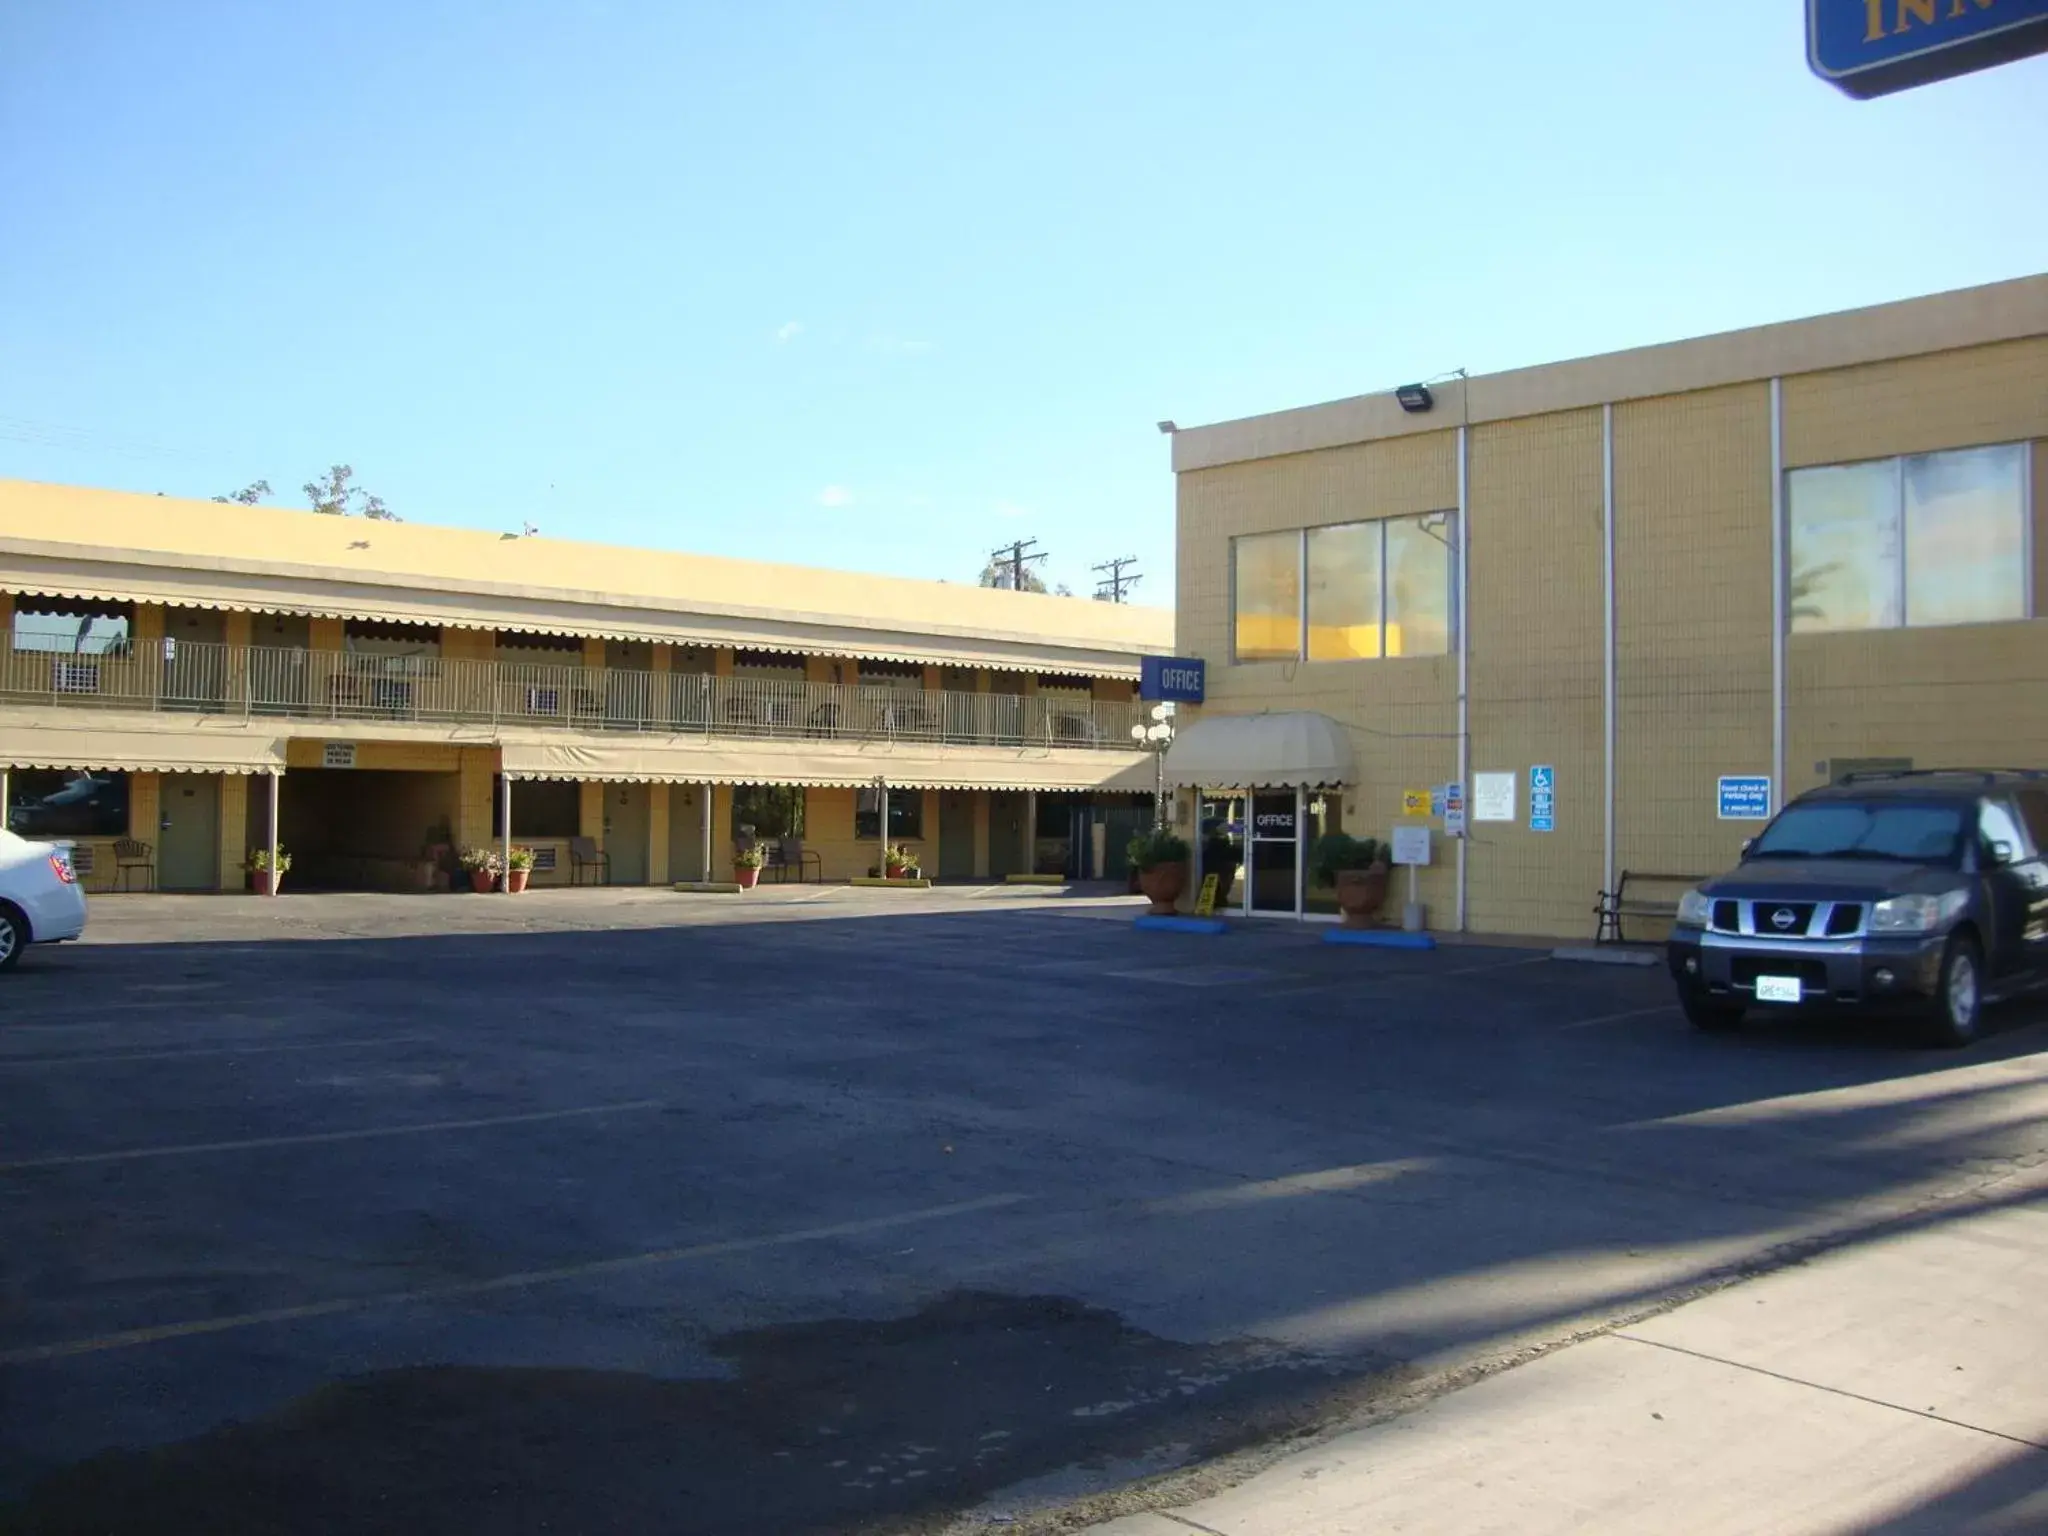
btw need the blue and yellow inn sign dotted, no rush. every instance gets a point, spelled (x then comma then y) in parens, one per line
(1873, 47)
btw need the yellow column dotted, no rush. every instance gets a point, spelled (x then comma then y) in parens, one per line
(7, 615)
(474, 772)
(149, 623)
(236, 631)
(981, 864)
(657, 834)
(234, 829)
(590, 811)
(721, 662)
(145, 807)
(662, 705)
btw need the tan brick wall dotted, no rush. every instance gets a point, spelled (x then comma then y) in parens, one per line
(1693, 621)
(1996, 394)
(1536, 667)
(476, 769)
(234, 830)
(590, 812)
(149, 623)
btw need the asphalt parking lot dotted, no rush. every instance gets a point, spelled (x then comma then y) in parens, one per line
(837, 1211)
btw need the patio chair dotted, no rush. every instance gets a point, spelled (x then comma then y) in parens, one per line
(585, 855)
(789, 853)
(132, 855)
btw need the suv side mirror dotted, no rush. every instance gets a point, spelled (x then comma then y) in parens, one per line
(1747, 844)
(2001, 853)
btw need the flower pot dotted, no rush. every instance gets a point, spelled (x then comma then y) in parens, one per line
(1163, 885)
(1360, 895)
(265, 882)
(515, 880)
(744, 877)
(898, 871)
(481, 881)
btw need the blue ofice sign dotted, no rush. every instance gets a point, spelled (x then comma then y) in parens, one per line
(1543, 799)
(1172, 679)
(1873, 47)
(1745, 797)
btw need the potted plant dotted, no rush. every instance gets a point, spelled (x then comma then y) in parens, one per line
(1161, 859)
(1221, 857)
(518, 870)
(747, 860)
(899, 862)
(265, 879)
(482, 864)
(1357, 867)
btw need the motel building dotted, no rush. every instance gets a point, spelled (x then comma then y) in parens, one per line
(171, 671)
(1593, 621)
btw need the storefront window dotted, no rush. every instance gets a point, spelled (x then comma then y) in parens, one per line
(906, 815)
(1266, 583)
(1344, 592)
(1935, 538)
(768, 810)
(540, 808)
(67, 802)
(72, 626)
(1325, 816)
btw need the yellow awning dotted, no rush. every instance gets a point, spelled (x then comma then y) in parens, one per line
(1261, 751)
(701, 760)
(225, 747)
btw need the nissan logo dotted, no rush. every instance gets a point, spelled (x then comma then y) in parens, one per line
(1783, 918)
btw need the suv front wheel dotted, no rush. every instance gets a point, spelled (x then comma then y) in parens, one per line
(1958, 1010)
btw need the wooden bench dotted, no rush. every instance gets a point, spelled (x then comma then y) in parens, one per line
(1623, 902)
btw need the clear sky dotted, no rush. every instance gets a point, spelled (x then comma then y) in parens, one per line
(882, 285)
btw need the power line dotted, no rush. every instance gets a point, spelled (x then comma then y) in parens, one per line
(1014, 557)
(1114, 585)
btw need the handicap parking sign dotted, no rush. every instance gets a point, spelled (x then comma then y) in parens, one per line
(1543, 798)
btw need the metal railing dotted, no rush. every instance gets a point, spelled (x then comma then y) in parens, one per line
(195, 677)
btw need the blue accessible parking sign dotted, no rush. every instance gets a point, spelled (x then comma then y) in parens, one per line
(1543, 798)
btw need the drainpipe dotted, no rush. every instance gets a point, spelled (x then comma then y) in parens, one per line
(704, 829)
(1778, 593)
(1607, 637)
(505, 828)
(1464, 652)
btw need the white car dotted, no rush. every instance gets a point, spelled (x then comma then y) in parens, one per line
(41, 901)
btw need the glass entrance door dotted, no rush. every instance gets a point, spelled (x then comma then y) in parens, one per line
(1273, 874)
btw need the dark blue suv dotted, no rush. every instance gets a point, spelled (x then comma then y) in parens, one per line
(1924, 892)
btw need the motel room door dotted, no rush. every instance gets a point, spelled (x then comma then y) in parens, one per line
(626, 827)
(188, 835)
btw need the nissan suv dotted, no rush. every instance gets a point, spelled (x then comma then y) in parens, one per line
(1924, 892)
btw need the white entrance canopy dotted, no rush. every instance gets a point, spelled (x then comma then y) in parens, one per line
(1261, 751)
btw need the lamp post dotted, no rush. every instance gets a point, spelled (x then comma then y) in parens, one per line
(1156, 738)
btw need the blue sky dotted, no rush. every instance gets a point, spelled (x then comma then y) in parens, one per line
(881, 286)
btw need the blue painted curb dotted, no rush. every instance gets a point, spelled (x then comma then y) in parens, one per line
(1379, 938)
(1152, 924)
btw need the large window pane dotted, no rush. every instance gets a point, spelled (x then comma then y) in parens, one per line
(1419, 585)
(1965, 536)
(67, 802)
(1845, 546)
(1344, 592)
(1266, 578)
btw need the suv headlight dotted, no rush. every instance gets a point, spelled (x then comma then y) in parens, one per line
(1916, 914)
(1694, 910)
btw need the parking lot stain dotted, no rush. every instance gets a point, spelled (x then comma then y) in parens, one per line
(852, 1427)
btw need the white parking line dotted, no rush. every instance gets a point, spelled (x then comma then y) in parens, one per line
(318, 1138)
(1616, 1018)
(246, 1048)
(133, 1337)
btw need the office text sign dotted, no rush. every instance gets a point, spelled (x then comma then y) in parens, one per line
(1172, 679)
(1873, 47)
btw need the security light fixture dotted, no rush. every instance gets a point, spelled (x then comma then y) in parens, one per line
(1168, 428)
(1415, 397)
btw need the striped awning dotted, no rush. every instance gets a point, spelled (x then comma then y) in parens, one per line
(229, 747)
(696, 760)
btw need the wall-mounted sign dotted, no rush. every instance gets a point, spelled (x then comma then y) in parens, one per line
(1873, 47)
(338, 754)
(1454, 810)
(1543, 798)
(1493, 797)
(1411, 846)
(1172, 679)
(1744, 797)
(1415, 802)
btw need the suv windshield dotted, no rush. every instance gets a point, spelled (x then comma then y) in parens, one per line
(1835, 829)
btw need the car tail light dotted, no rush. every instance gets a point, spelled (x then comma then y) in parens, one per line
(61, 868)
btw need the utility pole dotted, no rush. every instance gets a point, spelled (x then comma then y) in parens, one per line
(1114, 585)
(1016, 559)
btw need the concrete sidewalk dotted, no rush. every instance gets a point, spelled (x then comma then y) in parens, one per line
(1897, 1386)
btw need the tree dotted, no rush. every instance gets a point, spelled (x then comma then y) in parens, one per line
(248, 495)
(998, 573)
(338, 495)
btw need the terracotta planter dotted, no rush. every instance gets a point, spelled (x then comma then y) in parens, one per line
(515, 880)
(1360, 895)
(1163, 884)
(898, 871)
(746, 879)
(481, 881)
(265, 882)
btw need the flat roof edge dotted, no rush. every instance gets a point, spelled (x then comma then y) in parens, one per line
(2014, 310)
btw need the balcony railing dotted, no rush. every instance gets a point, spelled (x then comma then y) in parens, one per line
(265, 681)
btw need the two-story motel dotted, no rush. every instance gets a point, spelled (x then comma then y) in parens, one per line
(172, 671)
(1625, 604)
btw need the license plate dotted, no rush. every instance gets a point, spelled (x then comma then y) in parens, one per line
(1777, 989)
